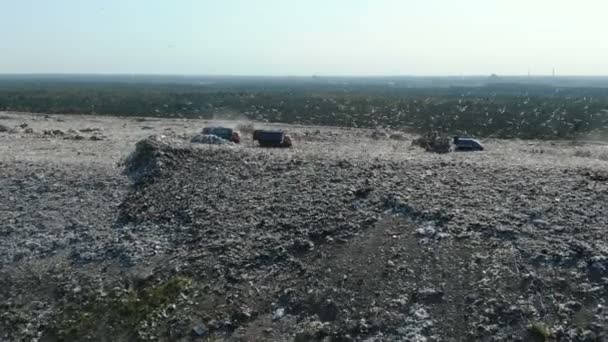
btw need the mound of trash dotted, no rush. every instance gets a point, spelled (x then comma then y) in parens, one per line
(379, 134)
(53, 132)
(399, 136)
(209, 139)
(233, 244)
(151, 156)
(314, 236)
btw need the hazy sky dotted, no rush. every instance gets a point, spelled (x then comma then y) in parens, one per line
(304, 37)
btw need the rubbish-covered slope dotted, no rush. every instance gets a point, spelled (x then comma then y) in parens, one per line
(351, 234)
(281, 246)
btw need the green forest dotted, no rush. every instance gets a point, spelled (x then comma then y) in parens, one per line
(501, 110)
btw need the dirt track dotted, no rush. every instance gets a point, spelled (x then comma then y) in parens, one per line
(348, 236)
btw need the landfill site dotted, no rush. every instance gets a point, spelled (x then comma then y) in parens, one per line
(140, 229)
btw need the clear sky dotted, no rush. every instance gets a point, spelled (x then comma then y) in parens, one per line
(305, 37)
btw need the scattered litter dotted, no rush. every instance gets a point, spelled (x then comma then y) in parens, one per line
(209, 139)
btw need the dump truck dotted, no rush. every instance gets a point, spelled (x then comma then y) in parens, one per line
(467, 144)
(223, 132)
(268, 138)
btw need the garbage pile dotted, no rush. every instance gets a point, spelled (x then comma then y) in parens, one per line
(297, 246)
(209, 139)
(152, 155)
(240, 244)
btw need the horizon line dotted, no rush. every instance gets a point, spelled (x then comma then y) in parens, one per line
(303, 75)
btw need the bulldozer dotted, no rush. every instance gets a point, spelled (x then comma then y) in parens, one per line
(433, 142)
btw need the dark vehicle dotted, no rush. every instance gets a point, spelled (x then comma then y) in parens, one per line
(433, 142)
(224, 133)
(272, 138)
(467, 144)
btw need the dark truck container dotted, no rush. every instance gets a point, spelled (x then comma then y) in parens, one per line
(224, 133)
(268, 138)
(467, 144)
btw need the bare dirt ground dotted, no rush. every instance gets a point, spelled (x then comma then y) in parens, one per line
(351, 235)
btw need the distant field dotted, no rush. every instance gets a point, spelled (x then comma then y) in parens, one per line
(543, 108)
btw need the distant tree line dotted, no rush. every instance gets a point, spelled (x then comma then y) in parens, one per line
(497, 110)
